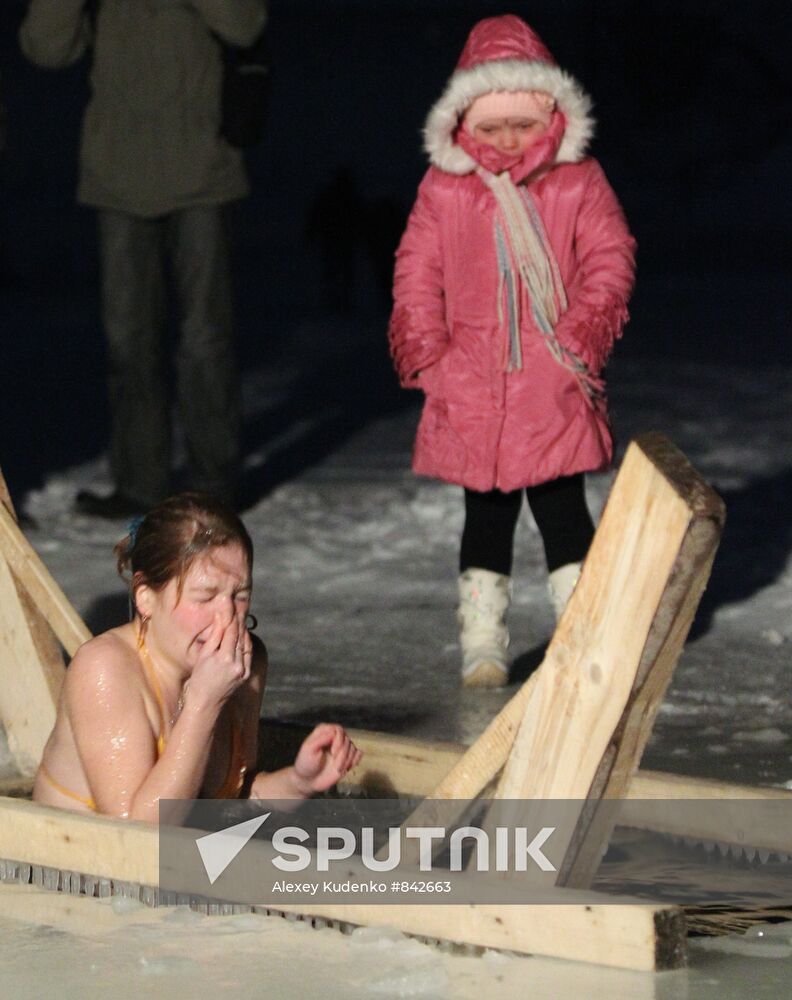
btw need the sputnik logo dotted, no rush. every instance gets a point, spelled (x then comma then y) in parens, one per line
(219, 849)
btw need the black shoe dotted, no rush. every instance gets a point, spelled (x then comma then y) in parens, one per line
(115, 507)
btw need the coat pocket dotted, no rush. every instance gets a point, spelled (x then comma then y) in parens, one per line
(439, 450)
(430, 378)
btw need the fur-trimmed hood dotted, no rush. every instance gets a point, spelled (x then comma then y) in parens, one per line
(503, 53)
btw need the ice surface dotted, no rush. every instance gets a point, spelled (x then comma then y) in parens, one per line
(768, 734)
(429, 981)
(173, 965)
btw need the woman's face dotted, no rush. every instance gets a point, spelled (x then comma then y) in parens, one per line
(511, 135)
(216, 588)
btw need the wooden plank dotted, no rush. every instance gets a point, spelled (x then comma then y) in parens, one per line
(36, 619)
(412, 767)
(44, 592)
(5, 494)
(83, 916)
(473, 772)
(633, 935)
(664, 645)
(31, 663)
(31, 673)
(662, 785)
(392, 758)
(615, 648)
(101, 846)
(400, 765)
(751, 825)
(639, 937)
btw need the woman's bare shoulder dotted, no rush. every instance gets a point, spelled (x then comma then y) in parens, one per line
(109, 659)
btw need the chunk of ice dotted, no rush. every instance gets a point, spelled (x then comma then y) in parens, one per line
(383, 937)
(733, 944)
(126, 904)
(166, 965)
(430, 980)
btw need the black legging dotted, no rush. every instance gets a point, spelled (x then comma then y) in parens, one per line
(559, 509)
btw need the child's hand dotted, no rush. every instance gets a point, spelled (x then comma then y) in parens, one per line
(326, 756)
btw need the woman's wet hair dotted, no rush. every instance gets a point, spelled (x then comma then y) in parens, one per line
(163, 545)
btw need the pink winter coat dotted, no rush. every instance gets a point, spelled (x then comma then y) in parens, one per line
(482, 426)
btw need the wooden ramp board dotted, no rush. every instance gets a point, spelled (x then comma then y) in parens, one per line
(630, 935)
(415, 768)
(31, 663)
(611, 659)
(47, 597)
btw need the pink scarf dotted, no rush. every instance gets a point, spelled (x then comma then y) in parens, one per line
(520, 165)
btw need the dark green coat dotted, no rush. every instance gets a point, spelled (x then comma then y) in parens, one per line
(150, 141)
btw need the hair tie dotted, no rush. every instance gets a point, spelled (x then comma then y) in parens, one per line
(132, 530)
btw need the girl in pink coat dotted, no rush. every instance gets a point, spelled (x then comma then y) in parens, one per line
(510, 288)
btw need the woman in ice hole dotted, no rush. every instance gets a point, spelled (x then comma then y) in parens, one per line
(167, 706)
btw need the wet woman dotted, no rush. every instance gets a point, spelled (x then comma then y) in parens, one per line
(167, 706)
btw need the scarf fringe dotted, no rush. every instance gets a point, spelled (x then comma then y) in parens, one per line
(526, 260)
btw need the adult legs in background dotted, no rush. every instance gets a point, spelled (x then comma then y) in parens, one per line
(133, 314)
(206, 365)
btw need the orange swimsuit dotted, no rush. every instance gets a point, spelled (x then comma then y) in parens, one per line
(237, 768)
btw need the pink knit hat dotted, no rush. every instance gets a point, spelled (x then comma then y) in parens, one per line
(536, 104)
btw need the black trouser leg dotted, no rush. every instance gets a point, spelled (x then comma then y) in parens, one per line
(563, 519)
(488, 536)
(133, 314)
(208, 384)
(561, 515)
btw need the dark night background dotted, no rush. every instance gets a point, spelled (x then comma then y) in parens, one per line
(694, 107)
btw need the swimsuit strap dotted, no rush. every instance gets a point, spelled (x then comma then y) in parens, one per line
(86, 801)
(151, 674)
(237, 767)
(148, 667)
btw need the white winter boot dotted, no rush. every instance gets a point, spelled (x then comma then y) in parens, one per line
(561, 583)
(484, 599)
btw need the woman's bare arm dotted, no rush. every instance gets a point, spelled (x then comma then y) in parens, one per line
(115, 740)
(326, 755)
(113, 730)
